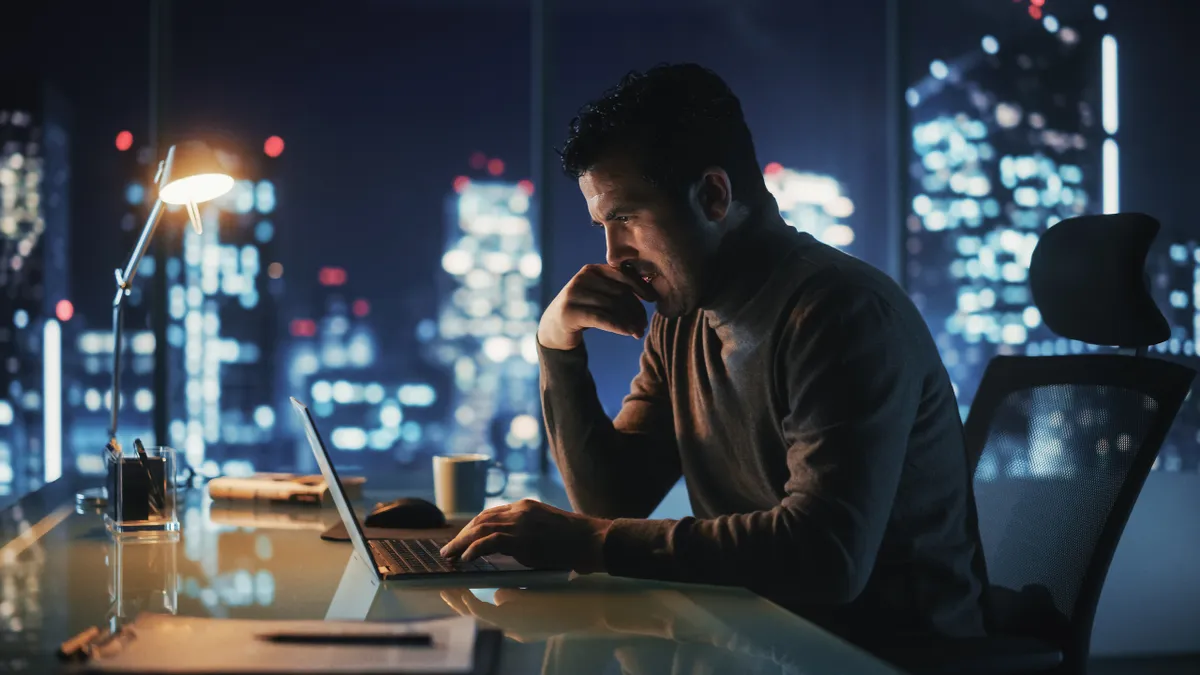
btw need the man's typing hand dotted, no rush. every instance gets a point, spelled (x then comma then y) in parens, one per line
(536, 535)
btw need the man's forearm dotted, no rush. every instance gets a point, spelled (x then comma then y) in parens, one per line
(780, 550)
(607, 472)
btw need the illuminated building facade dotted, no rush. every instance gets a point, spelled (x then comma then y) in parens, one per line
(34, 277)
(1175, 283)
(89, 392)
(812, 203)
(223, 329)
(89, 354)
(487, 322)
(374, 413)
(1005, 141)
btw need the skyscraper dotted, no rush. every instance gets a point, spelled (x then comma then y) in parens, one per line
(487, 325)
(375, 413)
(812, 203)
(223, 327)
(1005, 141)
(221, 331)
(88, 355)
(1174, 269)
(34, 276)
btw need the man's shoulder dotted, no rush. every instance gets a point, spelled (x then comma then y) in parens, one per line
(832, 279)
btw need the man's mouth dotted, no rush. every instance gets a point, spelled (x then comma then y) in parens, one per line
(645, 277)
(649, 293)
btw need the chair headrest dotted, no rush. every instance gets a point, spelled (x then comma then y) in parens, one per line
(1088, 279)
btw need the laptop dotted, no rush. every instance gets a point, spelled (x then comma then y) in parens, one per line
(417, 558)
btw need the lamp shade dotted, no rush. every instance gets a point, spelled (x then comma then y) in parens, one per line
(192, 174)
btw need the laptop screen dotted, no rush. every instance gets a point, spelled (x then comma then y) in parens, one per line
(353, 528)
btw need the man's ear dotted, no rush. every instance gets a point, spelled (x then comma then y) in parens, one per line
(714, 194)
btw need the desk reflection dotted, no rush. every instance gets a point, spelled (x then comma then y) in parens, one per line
(605, 625)
(144, 577)
(237, 554)
(62, 573)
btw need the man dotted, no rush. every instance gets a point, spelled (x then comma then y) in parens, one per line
(795, 388)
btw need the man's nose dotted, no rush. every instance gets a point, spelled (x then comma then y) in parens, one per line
(620, 248)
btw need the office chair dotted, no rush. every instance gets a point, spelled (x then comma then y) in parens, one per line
(1060, 446)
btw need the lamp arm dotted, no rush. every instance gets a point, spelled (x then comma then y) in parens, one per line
(124, 283)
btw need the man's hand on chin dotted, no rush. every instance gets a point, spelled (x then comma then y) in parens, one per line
(537, 535)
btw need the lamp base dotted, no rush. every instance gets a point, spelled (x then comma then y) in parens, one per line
(91, 500)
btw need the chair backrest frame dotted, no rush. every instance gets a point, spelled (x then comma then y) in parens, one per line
(1166, 382)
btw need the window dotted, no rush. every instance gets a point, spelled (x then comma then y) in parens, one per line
(811, 80)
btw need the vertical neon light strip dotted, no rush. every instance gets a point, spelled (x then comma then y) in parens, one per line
(1111, 166)
(1112, 178)
(52, 400)
(1108, 84)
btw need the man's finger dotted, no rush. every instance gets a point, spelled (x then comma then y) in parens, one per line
(598, 284)
(456, 603)
(504, 595)
(632, 306)
(488, 515)
(469, 535)
(625, 306)
(607, 318)
(496, 542)
(610, 272)
(466, 604)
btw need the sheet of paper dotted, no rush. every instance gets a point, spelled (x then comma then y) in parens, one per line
(171, 644)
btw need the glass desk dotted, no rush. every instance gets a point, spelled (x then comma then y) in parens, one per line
(61, 573)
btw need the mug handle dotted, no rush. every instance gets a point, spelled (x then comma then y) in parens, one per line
(503, 483)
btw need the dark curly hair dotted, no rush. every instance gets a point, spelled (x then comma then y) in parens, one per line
(676, 120)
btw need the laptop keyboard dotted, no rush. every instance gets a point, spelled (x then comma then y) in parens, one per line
(422, 556)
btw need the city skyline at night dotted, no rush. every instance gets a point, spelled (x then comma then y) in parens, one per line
(1005, 140)
(366, 186)
(35, 303)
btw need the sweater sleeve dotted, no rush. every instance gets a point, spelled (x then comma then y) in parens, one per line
(850, 383)
(610, 468)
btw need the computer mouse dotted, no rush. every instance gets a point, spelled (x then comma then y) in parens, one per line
(406, 513)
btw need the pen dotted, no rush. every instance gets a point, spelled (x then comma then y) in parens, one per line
(374, 639)
(155, 497)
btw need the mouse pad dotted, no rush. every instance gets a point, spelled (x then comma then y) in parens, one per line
(338, 531)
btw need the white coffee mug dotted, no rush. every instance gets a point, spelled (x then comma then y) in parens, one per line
(460, 482)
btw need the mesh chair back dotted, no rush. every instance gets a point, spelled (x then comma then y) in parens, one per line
(1061, 446)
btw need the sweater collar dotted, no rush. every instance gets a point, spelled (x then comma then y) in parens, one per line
(745, 262)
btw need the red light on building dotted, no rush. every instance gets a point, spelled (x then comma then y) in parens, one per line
(773, 168)
(461, 183)
(1037, 3)
(124, 141)
(1035, 11)
(360, 308)
(331, 276)
(273, 146)
(495, 166)
(303, 328)
(478, 161)
(525, 186)
(64, 310)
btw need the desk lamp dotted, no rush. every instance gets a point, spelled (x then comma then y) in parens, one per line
(190, 175)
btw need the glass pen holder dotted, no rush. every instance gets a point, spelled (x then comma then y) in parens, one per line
(143, 577)
(142, 494)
